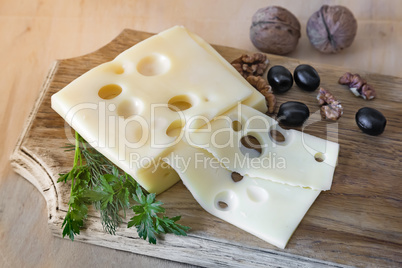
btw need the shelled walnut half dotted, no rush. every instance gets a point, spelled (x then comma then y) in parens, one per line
(358, 86)
(331, 108)
(254, 64)
(252, 67)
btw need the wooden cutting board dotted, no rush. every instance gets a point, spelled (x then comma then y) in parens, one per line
(358, 222)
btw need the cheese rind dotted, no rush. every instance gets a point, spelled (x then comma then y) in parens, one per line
(295, 161)
(268, 210)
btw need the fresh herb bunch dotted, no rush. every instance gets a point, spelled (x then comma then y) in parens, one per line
(97, 181)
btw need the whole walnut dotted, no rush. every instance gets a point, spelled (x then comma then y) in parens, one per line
(275, 30)
(332, 28)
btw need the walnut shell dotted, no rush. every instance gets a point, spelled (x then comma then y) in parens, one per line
(332, 28)
(275, 30)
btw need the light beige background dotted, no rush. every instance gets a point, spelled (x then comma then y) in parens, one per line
(34, 33)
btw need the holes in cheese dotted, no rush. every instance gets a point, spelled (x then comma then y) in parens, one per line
(226, 200)
(110, 91)
(268, 210)
(155, 64)
(115, 68)
(222, 205)
(277, 136)
(236, 177)
(250, 146)
(130, 107)
(257, 194)
(319, 157)
(267, 157)
(175, 128)
(180, 103)
(236, 125)
(153, 72)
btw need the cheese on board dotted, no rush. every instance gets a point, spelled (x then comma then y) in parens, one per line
(268, 210)
(300, 160)
(171, 107)
(133, 109)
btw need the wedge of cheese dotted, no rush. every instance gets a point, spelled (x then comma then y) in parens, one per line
(300, 160)
(271, 211)
(134, 108)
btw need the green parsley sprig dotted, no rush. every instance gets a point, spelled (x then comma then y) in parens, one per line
(97, 181)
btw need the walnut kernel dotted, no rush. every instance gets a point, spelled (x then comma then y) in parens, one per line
(331, 108)
(254, 64)
(358, 86)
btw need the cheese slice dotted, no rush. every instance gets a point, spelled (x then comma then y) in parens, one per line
(133, 109)
(271, 211)
(300, 160)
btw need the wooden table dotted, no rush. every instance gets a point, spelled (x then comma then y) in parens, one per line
(35, 33)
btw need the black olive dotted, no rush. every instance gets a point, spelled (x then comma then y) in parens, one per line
(306, 77)
(371, 121)
(293, 113)
(280, 79)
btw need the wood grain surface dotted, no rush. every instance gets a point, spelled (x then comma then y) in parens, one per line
(35, 33)
(358, 222)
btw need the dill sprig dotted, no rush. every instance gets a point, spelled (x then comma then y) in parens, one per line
(96, 181)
